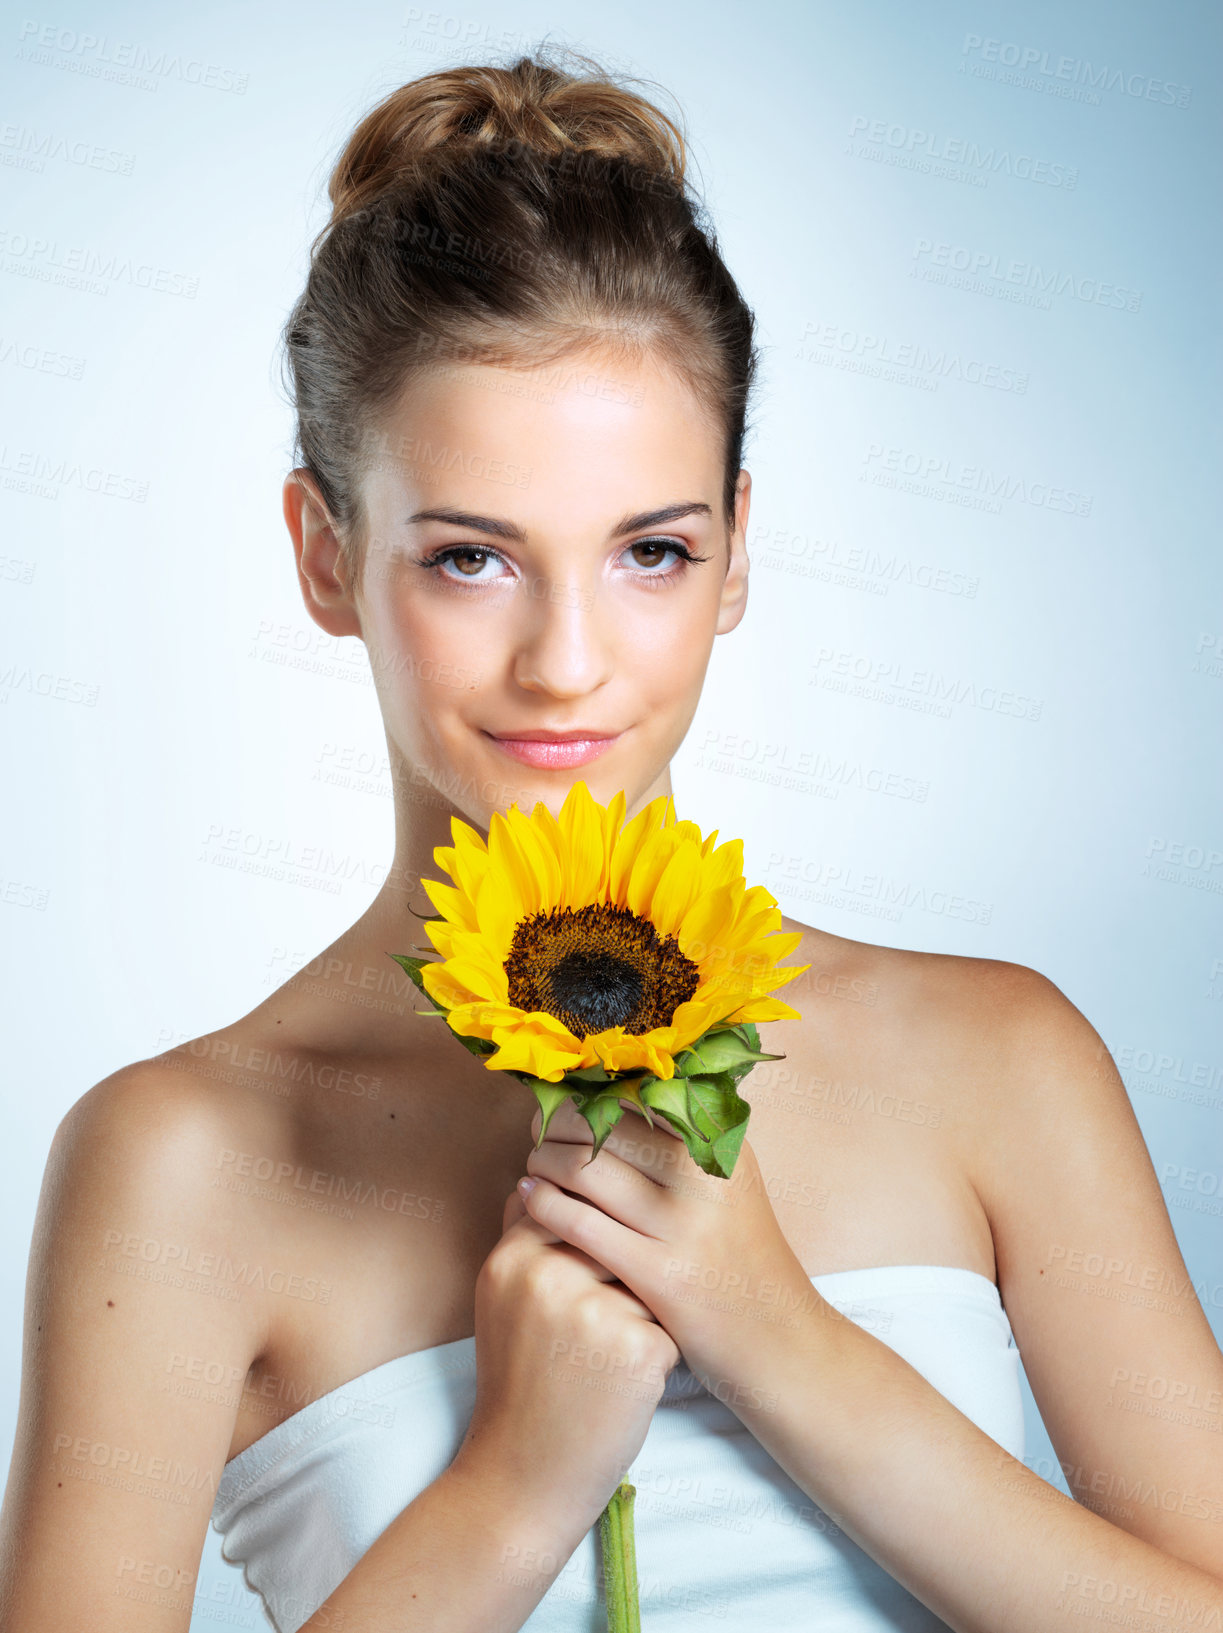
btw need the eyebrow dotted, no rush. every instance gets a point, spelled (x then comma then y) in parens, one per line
(502, 529)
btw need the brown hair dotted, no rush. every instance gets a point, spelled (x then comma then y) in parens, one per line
(511, 216)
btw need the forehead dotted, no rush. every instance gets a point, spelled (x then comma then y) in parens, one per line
(586, 436)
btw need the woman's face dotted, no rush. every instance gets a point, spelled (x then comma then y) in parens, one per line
(543, 599)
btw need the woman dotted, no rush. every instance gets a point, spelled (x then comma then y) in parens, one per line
(307, 1297)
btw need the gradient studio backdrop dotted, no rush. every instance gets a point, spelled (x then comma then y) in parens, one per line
(974, 706)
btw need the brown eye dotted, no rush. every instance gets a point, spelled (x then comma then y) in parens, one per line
(469, 559)
(458, 556)
(654, 549)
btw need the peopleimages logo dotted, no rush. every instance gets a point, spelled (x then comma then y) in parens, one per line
(1024, 281)
(1059, 75)
(977, 159)
(905, 361)
(933, 475)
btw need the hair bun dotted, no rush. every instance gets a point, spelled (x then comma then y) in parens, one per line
(532, 104)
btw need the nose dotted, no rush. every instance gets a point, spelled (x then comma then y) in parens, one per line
(565, 647)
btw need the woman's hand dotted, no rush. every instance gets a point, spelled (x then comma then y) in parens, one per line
(569, 1367)
(706, 1256)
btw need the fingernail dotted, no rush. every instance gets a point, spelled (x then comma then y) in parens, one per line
(526, 1186)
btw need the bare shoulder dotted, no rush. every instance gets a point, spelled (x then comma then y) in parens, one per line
(1034, 1105)
(114, 1457)
(143, 1107)
(149, 1136)
(944, 1002)
(130, 1182)
(1100, 1300)
(1001, 1052)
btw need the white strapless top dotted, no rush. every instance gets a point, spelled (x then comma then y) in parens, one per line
(723, 1534)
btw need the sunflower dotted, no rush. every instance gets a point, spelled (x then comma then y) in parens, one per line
(602, 959)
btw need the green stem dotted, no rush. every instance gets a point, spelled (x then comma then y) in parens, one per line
(620, 1561)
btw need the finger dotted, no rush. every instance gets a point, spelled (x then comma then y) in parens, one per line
(514, 1210)
(633, 1304)
(531, 1229)
(515, 1217)
(658, 1150)
(625, 1252)
(618, 1187)
(567, 1123)
(661, 1161)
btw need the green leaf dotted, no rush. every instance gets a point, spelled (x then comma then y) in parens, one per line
(708, 1114)
(602, 1112)
(588, 1074)
(629, 1088)
(550, 1096)
(476, 1046)
(719, 1113)
(413, 966)
(670, 1096)
(720, 1050)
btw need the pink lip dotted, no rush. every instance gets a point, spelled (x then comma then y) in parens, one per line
(554, 753)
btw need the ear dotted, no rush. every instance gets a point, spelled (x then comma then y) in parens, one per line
(321, 566)
(734, 585)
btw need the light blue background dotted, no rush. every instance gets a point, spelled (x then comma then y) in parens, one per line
(1070, 815)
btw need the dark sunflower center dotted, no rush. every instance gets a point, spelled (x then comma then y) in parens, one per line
(601, 991)
(598, 967)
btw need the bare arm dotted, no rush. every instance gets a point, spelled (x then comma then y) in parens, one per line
(118, 1457)
(1097, 1294)
(468, 1555)
(478, 1549)
(115, 1464)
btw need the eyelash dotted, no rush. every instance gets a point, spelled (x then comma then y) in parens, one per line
(450, 551)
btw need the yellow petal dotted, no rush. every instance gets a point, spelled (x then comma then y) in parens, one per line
(441, 935)
(613, 821)
(445, 990)
(548, 831)
(453, 904)
(780, 976)
(706, 927)
(726, 866)
(474, 947)
(631, 1052)
(498, 911)
(469, 866)
(694, 1018)
(518, 885)
(581, 825)
(764, 1009)
(478, 1020)
(678, 887)
(538, 1044)
(629, 842)
(540, 859)
(648, 869)
(481, 977)
(784, 944)
(708, 934)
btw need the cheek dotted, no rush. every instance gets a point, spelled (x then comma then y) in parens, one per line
(425, 668)
(669, 667)
(411, 640)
